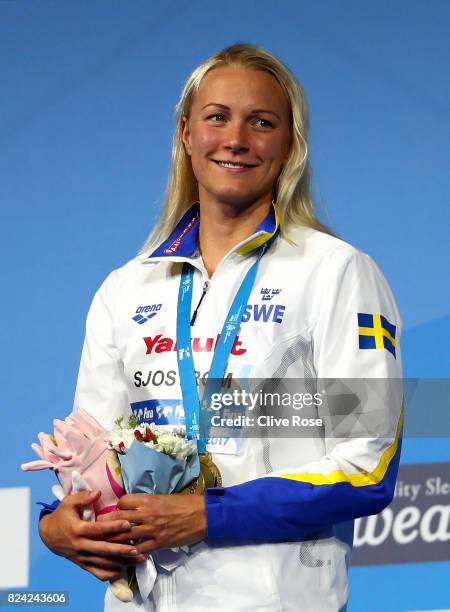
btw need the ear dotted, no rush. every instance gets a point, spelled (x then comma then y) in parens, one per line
(186, 135)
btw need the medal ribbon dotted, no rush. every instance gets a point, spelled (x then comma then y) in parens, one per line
(191, 400)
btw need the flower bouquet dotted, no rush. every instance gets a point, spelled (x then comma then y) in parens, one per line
(139, 458)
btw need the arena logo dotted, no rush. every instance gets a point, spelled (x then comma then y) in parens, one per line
(163, 344)
(264, 312)
(145, 313)
(415, 527)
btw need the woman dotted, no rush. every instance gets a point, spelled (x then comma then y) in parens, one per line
(278, 534)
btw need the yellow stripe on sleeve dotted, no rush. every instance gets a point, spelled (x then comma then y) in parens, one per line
(361, 479)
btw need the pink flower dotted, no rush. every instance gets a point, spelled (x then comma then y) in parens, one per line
(78, 443)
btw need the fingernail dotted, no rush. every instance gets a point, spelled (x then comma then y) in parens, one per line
(126, 525)
(134, 552)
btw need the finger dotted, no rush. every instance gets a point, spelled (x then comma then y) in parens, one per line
(100, 573)
(136, 533)
(136, 560)
(83, 498)
(131, 501)
(110, 562)
(114, 563)
(104, 518)
(132, 516)
(105, 549)
(146, 547)
(102, 529)
(114, 515)
(101, 562)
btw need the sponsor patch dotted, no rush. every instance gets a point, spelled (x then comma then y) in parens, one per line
(164, 344)
(145, 313)
(159, 412)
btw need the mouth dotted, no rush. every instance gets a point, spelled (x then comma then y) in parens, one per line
(233, 165)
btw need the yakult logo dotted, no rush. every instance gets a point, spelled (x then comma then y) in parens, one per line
(163, 344)
(415, 526)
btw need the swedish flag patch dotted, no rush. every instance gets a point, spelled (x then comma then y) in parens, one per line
(375, 332)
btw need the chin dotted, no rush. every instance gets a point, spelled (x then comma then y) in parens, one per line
(237, 198)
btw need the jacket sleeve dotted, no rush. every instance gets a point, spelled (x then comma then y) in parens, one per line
(355, 329)
(101, 387)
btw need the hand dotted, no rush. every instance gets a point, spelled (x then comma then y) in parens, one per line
(159, 521)
(66, 534)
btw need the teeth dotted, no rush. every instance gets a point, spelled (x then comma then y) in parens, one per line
(230, 165)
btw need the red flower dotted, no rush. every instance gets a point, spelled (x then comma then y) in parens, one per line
(137, 434)
(121, 446)
(148, 434)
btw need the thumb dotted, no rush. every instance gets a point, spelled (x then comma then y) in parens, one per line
(83, 498)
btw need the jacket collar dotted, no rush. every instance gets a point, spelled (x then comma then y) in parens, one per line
(183, 241)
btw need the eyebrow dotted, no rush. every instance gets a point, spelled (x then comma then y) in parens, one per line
(256, 110)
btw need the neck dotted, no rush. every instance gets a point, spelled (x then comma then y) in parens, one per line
(222, 227)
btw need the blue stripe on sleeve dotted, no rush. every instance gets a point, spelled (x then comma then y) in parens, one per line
(280, 509)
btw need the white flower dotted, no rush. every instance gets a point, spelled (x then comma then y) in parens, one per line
(186, 449)
(178, 445)
(116, 436)
(170, 440)
(167, 442)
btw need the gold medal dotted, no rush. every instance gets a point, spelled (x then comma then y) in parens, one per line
(209, 476)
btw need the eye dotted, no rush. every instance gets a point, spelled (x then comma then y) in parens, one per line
(217, 117)
(264, 123)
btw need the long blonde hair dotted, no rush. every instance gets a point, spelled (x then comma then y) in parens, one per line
(292, 188)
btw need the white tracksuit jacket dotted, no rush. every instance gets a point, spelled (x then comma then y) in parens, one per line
(280, 529)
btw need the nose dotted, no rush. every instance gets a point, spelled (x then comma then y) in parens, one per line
(235, 137)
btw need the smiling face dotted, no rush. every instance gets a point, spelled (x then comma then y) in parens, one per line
(238, 136)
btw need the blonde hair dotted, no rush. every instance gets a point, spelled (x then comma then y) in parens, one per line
(292, 188)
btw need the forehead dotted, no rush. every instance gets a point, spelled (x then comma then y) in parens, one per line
(235, 85)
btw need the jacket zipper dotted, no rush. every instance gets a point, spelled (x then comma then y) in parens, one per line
(194, 314)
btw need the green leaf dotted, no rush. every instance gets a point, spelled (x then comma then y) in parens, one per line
(119, 422)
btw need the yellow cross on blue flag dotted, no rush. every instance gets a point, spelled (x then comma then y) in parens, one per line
(375, 332)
